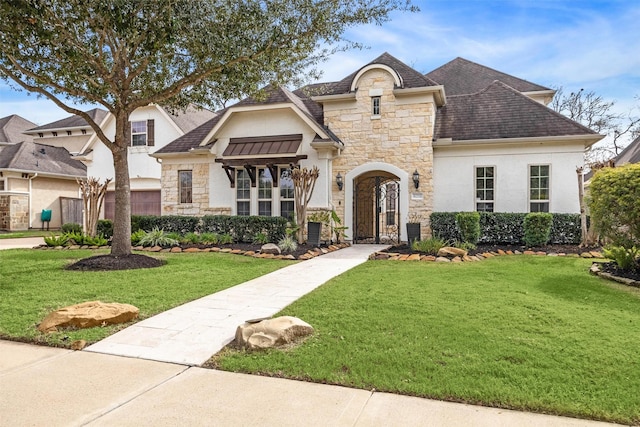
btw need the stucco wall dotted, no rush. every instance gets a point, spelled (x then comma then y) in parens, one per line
(45, 194)
(454, 179)
(144, 171)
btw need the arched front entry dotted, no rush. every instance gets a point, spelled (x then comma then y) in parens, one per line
(367, 208)
(376, 208)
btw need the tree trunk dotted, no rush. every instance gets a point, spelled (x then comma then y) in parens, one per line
(584, 240)
(121, 243)
(92, 197)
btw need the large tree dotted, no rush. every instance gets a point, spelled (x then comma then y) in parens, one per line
(125, 54)
(598, 114)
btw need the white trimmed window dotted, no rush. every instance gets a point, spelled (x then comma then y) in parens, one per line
(287, 205)
(139, 133)
(539, 188)
(375, 105)
(265, 191)
(243, 193)
(185, 188)
(485, 188)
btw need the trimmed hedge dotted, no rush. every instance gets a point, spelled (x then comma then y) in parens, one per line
(245, 228)
(506, 228)
(240, 228)
(469, 225)
(537, 228)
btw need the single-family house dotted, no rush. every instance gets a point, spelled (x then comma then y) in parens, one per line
(151, 127)
(34, 178)
(391, 144)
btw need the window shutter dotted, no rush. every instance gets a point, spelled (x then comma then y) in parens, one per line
(151, 138)
(127, 133)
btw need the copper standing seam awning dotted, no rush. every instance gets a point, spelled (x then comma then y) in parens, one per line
(267, 151)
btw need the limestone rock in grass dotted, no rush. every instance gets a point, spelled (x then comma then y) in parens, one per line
(88, 315)
(272, 332)
(451, 251)
(270, 248)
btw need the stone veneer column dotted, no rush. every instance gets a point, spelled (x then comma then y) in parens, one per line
(402, 136)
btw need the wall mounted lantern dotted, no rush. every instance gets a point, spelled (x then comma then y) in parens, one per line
(339, 181)
(416, 179)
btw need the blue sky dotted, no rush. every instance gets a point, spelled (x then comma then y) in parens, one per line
(576, 44)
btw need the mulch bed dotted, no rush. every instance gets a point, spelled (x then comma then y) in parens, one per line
(111, 262)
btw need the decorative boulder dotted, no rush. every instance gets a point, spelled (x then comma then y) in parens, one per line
(451, 251)
(270, 248)
(272, 332)
(88, 315)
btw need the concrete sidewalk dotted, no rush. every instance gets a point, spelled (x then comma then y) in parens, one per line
(191, 333)
(44, 386)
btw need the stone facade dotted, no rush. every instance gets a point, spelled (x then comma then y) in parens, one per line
(200, 191)
(14, 212)
(401, 136)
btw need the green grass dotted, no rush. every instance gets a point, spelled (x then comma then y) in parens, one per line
(33, 283)
(529, 333)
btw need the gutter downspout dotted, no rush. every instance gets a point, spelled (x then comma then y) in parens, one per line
(30, 197)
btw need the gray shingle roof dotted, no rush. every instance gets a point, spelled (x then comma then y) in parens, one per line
(499, 111)
(74, 121)
(410, 77)
(12, 128)
(191, 139)
(190, 118)
(32, 157)
(631, 153)
(272, 95)
(461, 77)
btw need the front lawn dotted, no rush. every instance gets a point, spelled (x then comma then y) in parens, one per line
(523, 332)
(33, 283)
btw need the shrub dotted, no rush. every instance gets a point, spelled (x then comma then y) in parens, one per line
(537, 228)
(245, 228)
(209, 238)
(157, 237)
(192, 238)
(506, 228)
(95, 241)
(469, 225)
(626, 258)
(136, 236)
(260, 238)
(71, 227)
(429, 246)
(288, 244)
(56, 240)
(226, 239)
(502, 228)
(105, 228)
(614, 204)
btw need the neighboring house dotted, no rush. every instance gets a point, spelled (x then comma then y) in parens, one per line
(12, 128)
(391, 144)
(631, 153)
(151, 127)
(36, 177)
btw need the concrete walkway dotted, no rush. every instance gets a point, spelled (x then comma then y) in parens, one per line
(191, 333)
(24, 242)
(42, 386)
